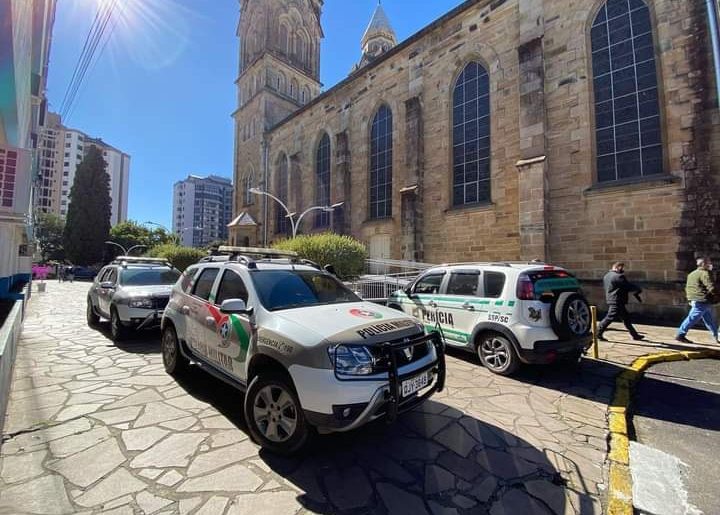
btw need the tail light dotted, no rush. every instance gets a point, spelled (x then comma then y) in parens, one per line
(525, 289)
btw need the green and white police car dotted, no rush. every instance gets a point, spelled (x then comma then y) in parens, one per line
(307, 351)
(506, 313)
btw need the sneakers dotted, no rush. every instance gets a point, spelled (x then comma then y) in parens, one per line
(602, 338)
(682, 339)
(638, 338)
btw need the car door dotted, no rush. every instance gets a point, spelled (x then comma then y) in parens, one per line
(196, 309)
(95, 290)
(461, 301)
(423, 298)
(105, 294)
(232, 339)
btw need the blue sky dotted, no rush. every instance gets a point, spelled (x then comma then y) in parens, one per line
(163, 88)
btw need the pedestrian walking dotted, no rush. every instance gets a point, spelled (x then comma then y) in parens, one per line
(70, 273)
(61, 273)
(701, 294)
(617, 290)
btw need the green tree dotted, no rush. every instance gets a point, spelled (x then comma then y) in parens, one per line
(131, 233)
(87, 225)
(49, 232)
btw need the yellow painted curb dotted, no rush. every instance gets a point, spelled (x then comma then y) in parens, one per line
(620, 480)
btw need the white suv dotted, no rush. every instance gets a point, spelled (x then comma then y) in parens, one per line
(307, 351)
(506, 313)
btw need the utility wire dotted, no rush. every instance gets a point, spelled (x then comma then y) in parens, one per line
(86, 59)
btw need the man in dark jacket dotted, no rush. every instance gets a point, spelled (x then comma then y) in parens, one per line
(617, 289)
(700, 292)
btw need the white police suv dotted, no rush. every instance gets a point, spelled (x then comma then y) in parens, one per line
(308, 352)
(506, 313)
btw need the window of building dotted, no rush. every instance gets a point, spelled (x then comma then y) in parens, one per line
(249, 196)
(381, 155)
(627, 115)
(322, 180)
(282, 225)
(471, 136)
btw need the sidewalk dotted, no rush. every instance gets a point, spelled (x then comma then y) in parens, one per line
(94, 427)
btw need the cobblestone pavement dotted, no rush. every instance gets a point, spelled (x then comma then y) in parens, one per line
(94, 427)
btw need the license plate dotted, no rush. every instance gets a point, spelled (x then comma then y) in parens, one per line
(412, 385)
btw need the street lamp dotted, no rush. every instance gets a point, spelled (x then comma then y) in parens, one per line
(126, 252)
(295, 224)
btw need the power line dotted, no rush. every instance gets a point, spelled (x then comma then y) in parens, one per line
(93, 39)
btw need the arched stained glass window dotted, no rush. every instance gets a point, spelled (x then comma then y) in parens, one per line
(322, 180)
(282, 224)
(627, 115)
(471, 136)
(381, 156)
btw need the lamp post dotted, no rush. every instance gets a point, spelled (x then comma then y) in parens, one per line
(174, 236)
(295, 223)
(126, 252)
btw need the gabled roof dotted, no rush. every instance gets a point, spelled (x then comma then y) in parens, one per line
(379, 26)
(243, 219)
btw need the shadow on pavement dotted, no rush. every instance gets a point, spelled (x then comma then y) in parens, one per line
(139, 342)
(433, 457)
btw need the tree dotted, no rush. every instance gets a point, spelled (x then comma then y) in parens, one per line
(49, 232)
(87, 225)
(131, 233)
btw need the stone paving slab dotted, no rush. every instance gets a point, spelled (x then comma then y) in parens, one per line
(93, 427)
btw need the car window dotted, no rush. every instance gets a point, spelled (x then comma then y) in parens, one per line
(231, 287)
(148, 276)
(464, 283)
(494, 284)
(187, 279)
(103, 273)
(430, 284)
(286, 289)
(204, 283)
(112, 276)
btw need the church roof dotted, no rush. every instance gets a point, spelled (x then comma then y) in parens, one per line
(379, 26)
(243, 219)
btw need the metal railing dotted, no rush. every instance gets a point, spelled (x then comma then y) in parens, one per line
(385, 276)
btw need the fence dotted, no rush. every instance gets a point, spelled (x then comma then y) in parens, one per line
(385, 276)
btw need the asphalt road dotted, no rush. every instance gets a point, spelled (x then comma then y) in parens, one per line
(677, 412)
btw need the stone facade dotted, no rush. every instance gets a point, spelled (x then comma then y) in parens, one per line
(546, 199)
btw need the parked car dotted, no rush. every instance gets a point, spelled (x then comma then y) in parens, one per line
(132, 293)
(84, 272)
(507, 314)
(306, 350)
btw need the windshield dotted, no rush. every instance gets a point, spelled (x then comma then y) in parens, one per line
(286, 289)
(148, 276)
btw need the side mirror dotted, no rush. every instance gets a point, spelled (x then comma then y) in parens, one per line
(408, 291)
(330, 269)
(107, 285)
(235, 307)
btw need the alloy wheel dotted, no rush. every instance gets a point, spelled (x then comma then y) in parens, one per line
(495, 353)
(275, 413)
(578, 316)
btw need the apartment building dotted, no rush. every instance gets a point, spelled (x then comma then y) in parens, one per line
(202, 209)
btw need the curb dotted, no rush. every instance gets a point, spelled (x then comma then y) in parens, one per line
(620, 481)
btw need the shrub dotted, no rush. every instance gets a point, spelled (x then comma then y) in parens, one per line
(346, 254)
(180, 257)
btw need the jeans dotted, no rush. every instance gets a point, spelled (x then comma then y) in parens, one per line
(618, 313)
(699, 310)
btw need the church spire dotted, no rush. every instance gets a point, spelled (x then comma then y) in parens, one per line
(379, 36)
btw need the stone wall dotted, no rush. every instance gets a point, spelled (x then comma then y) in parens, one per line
(546, 201)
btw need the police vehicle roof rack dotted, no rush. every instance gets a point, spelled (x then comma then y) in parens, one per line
(497, 263)
(140, 260)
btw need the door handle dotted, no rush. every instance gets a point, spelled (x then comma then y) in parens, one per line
(432, 304)
(468, 306)
(186, 310)
(209, 321)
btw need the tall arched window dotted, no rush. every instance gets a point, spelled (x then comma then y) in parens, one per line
(283, 37)
(247, 185)
(322, 180)
(282, 224)
(471, 136)
(381, 155)
(627, 115)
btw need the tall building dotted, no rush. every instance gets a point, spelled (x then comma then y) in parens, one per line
(25, 36)
(202, 209)
(62, 150)
(575, 132)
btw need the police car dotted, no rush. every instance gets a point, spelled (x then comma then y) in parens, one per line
(307, 351)
(506, 313)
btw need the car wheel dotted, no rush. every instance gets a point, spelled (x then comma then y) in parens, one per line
(118, 331)
(92, 318)
(570, 316)
(497, 354)
(274, 416)
(174, 361)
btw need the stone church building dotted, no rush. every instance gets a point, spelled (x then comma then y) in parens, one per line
(579, 132)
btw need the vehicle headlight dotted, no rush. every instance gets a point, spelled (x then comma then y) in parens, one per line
(141, 303)
(352, 360)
